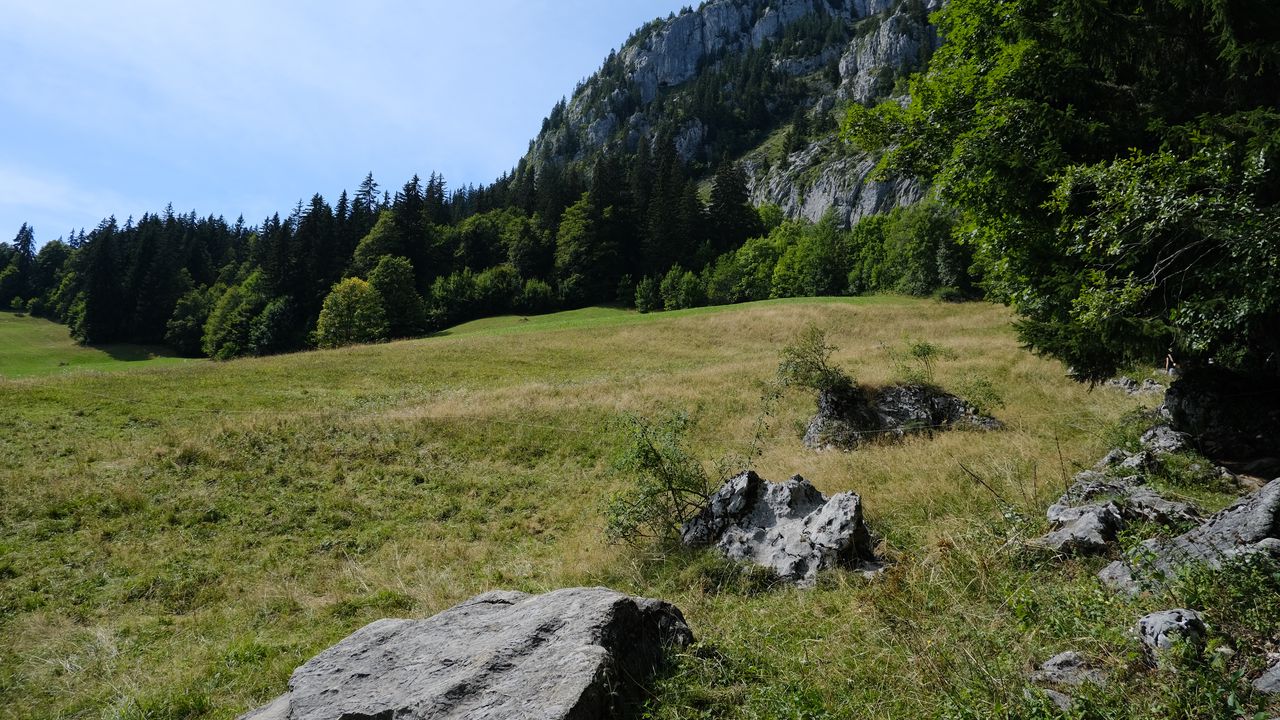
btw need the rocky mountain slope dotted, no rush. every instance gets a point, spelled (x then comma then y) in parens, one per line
(757, 80)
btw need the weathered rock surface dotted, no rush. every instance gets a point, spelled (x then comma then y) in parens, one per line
(1091, 513)
(568, 654)
(790, 527)
(1133, 387)
(1269, 681)
(845, 421)
(1066, 672)
(1159, 631)
(1251, 525)
(1164, 440)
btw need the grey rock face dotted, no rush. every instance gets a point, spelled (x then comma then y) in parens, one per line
(1092, 530)
(1090, 514)
(1133, 387)
(1251, 525)
(843, 423)
(788, 527)
(1269, 681)
(1066, 671)
(1158, 631)
(566, 654)
(1164, 440)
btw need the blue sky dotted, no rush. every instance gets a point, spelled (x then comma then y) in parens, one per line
(246, 106)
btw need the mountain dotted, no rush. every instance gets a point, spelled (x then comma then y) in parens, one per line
(761, 81)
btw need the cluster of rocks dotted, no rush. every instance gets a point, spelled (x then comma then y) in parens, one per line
(1102, 501)
(848, 419)
(789, 528)
(1067, 673)
(1130, 386)
(576, 653)
(1252, 525)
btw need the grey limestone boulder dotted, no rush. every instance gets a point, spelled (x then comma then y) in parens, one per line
(847, 420)
(1159, 631)
(1066, 672)
(573, 653)
(1090, 514)
(1164, 440)
(1251, 525)
(1092, 530)
(1269, 681)
(789, 528)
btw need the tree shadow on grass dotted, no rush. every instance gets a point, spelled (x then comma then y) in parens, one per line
(122, 352)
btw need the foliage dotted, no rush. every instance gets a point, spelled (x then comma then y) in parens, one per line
(393, 278)
(185, 330)
(680, 289)
(227, 331)
(667, 485)
(648, 295)
(806, 363)
(1116, 170)
(352, 314)
(916, 361)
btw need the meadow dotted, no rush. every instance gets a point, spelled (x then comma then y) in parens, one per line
(31, 346)
(176, 539)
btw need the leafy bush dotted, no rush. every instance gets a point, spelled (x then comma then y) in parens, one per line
(648, 297)
(668, 484)
(917, 361)
(352, 313)
(806, 363)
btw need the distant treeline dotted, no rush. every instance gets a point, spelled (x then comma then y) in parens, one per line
(377, 265)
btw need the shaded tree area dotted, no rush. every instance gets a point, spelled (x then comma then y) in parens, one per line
(1116, 169)
(530, 242)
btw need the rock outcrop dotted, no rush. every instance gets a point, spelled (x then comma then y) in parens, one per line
(648, 83)
(1159, 631)
(1269, 681)
(789, 528)
(568, 654)
(846, 420)
(1250, 525)
(1066, 673)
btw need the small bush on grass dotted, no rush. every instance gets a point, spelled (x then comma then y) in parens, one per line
(669, 484)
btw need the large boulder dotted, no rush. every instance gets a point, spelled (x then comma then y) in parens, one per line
(574, 653)
(789, 528)
(846, 420)
(1251, 525)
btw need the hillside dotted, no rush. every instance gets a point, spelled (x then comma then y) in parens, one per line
(186, 536)
(759, 81)
(35, 346)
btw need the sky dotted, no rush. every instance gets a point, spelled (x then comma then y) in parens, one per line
(231, 107)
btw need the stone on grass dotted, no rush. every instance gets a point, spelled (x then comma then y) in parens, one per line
(789, 528)
(575, 653)
(1164, 440)
(1251, 525)
(848, 419)
(1093, 530)
(1066, 671)
(1159, 631)
(1269, 681)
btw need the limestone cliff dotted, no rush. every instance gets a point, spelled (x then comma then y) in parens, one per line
(757, 80)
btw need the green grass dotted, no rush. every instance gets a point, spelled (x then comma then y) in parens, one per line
(174, 541)
(32, 346)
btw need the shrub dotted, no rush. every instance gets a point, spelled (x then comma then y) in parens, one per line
(668, 485)
(648, 298)
(352, 313)
(806, 363)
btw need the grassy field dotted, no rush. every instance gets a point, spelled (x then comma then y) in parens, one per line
(175, 540)
(32, 346)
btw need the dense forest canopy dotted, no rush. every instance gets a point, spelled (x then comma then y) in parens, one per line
(1115, 164)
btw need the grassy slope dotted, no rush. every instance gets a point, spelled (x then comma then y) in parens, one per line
(33, 346)
(175, 541)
